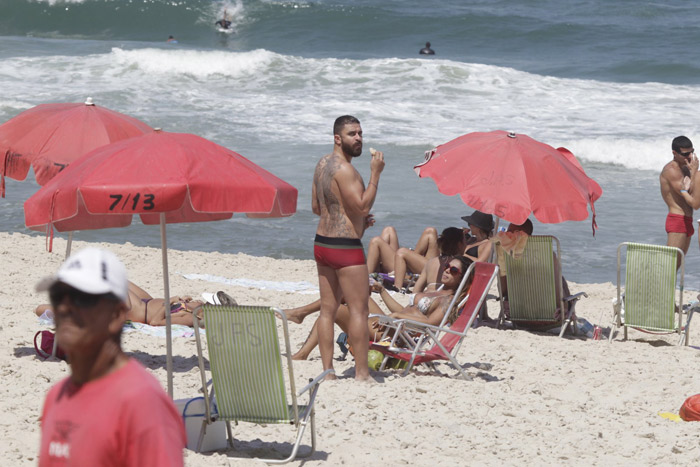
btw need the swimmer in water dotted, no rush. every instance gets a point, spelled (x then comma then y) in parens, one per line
(224, 23)
(427, 50)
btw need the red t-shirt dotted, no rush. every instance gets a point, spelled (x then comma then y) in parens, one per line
(122, 419)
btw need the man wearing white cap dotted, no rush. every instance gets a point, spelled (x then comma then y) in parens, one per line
(110, 410)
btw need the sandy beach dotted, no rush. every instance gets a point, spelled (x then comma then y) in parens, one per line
(534, 399)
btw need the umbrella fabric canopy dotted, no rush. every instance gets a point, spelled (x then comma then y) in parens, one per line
(511, 176)
(186, 177)
(48, 137)
(163, 177)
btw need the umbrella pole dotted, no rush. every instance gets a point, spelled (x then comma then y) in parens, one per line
(492, 258)
(69, 244)
(166, 296)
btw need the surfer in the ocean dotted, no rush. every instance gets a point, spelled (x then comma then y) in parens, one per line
(224, 22)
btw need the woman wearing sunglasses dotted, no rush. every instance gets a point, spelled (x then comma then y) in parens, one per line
(424, 307)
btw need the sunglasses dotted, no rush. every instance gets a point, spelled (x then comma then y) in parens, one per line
(77, 298)
(686, 154)
(453, 270)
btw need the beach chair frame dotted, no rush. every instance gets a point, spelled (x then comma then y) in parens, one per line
(247, 373)
(445, 341)
(652, 301)
(533, 285)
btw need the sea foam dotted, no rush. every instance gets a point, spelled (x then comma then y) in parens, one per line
(404, 102)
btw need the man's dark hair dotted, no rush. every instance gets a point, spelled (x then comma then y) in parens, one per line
(427, 44)
(449, 240)
(340, 122)
(681, 142)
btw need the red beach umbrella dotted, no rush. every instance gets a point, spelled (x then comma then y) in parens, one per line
(163, 177)
(48, 137)
(512, 176)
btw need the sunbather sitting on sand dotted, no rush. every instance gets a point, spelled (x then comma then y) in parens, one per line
(425, 307)
(143, 308)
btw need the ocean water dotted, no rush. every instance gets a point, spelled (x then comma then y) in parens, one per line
(612, 82)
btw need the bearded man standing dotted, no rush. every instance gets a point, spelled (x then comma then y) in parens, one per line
(340, 198)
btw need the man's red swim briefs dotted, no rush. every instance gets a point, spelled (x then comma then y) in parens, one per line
(338, 252)
(678, 223)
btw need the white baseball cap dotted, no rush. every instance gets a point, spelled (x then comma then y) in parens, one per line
(92, 271)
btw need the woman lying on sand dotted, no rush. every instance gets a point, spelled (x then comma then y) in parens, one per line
(143, 308)
(427, 308)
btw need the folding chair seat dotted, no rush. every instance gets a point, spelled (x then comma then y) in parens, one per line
(534, 283)
(649, 303)
(247, 373)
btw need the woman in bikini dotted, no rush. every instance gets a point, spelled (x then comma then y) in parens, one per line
(427, 307)
(146, 309)
(143, 308)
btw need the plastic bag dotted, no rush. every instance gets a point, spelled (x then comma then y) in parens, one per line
(45, 348)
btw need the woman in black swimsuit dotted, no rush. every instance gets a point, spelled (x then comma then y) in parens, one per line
(481, 227)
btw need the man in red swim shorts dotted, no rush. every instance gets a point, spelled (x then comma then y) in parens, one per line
(674, 180)
(339, 197)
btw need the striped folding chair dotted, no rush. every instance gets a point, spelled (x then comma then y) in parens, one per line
(533, 286)
(653, 277)
(247, 373)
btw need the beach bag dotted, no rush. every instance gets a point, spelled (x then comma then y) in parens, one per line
(690, 410)
(45, 347)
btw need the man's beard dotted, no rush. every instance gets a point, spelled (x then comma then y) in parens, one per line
(352, 150)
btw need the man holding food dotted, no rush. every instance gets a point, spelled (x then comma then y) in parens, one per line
(343, 203)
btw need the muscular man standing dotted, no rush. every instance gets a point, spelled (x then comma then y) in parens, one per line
(679, 222)
(339, 197)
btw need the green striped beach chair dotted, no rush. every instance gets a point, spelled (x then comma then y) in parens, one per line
(533, 285)
(248, 375)
(653, 277)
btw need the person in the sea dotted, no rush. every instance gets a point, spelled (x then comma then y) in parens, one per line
(110, 410)
(143, 308)
(343, 203)
(425, 307)
(224, 22)
(677, 194)
(426, 50)
(172, 40)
